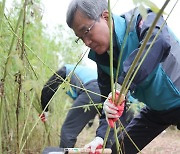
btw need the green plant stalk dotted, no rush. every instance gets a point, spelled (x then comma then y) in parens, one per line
(30, 65)
(2, 13)
(1, 118)
(111, 50)
(116, 139)
(10, 49)
(14, 33)
(81, 106)
(129, 137)
(106, 138)
(20, 75)
(111, 72)
(12, 30)
(1, 113)
(122, 48)
(139, 54)
(24, 128)
(17, 112)
(12, 44)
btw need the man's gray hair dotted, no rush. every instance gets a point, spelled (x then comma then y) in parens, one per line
(90, 8)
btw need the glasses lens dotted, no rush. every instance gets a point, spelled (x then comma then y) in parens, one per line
(85, 33)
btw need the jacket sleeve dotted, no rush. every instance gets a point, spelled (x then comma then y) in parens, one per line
(105, 88)
(51, 87)
(104, 82)
(157, 54)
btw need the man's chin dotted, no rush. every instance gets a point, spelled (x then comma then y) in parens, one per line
(100, 51)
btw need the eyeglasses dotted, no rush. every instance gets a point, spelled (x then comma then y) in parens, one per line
(86, 32)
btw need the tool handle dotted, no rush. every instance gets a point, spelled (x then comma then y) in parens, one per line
(86, 151)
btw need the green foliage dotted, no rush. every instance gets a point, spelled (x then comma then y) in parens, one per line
(28, 57)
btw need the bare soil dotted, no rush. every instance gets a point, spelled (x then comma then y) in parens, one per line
(167, 142)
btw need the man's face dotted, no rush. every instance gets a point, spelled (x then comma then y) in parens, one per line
(95, 34)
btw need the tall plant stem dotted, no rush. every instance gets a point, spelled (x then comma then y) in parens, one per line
(111, 50)
(12, 44)
(20, 75)
(2, 14)
(122, 47)
(9, 52)
(111, 70)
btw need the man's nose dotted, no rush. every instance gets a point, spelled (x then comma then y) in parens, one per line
(87, 41)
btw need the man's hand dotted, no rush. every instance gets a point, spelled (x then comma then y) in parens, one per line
(44, 116)
(97, 143)
(112, 111)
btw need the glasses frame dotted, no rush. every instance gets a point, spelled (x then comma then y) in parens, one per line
(86, 32)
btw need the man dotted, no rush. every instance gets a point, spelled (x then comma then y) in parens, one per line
(157, 82)
(76, 120)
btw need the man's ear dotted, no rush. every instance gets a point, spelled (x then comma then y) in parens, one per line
(105, 15)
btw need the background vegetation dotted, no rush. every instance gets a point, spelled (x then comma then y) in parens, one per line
(28, 57)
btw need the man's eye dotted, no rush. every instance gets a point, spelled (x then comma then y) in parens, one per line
(87, 31)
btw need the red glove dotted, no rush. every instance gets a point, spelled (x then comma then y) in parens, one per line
(97, 152)
(113, 111)
(44, 116)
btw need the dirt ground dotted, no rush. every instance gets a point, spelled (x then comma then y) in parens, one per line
(166, 143)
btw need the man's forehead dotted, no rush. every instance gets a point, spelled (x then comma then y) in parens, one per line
(80, 22)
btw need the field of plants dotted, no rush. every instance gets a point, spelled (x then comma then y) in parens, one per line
(28, 57)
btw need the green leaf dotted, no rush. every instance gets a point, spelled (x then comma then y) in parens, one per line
(86, 108)
(100, 106)
(66, 85)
